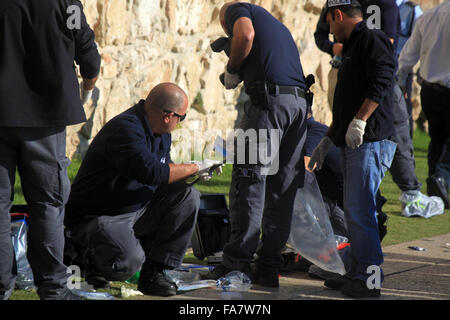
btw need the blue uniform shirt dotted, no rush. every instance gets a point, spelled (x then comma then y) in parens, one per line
(274, 56)
(122, 169)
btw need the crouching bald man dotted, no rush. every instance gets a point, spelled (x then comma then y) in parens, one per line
(129, 206)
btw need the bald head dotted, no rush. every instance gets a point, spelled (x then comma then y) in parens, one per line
(166, 96)
(223, 11)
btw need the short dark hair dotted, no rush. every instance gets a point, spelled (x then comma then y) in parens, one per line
(351, 10)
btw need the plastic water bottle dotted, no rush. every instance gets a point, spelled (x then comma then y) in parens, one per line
(234, 281)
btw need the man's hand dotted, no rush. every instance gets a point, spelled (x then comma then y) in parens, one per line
(337, 49)
(87, 88)
(319, 153)
(205, 166)
(405, 94)
(231, 79)
(86, 95)
(355, 133)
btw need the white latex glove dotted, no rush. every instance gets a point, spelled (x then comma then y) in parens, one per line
(319, 153)
(231, 80)
(204, 166)
(355, 133)
(86, 95)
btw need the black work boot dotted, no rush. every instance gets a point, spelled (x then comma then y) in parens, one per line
(357, 288)
(92, 277)
(97, 281)
(436, 186)
(217, 273)
(267, 276)
(337, 282)
(152, 281)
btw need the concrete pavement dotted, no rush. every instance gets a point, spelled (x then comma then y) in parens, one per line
(409, 275)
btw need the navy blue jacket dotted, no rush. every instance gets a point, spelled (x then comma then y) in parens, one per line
(274, 56)
(38, 81)
(123, 168)
(367, 71)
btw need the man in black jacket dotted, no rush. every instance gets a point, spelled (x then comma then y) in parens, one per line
(403, 165)
(128, 206)
(362, 124)
(39, 97)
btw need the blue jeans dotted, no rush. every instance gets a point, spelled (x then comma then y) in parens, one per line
(363, 169)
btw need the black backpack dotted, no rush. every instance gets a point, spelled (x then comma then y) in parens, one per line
(213, 228)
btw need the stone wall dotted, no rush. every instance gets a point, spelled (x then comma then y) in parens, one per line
(145, 42)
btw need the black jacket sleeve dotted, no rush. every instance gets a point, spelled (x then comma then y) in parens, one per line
(127, 150)
(86, 53)
(321, 35)
(379, 65)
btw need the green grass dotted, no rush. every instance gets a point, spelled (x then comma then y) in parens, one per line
(400, 229)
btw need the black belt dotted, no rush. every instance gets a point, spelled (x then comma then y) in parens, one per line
(276, 89)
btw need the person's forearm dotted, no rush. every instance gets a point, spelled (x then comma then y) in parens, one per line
(366, 110)
(242, 42)
(307, 159)
(89, 84)
(181, 171)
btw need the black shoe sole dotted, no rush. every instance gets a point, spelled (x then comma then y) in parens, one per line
(158, 292)
(359, 289)
(268, 283)
(374, 293)
(434, 188)
(335, 284)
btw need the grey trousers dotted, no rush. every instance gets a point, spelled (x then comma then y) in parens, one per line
(403, 164)
(40, 157)
(116, 246)
(263, 201)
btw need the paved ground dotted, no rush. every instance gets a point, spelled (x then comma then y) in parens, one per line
(409, 275)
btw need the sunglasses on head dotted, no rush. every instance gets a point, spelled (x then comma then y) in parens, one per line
(182, 117)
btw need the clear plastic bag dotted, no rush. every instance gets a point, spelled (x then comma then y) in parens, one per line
(234, 281)
(340, 240)
(311, 232)
(415, 203)
(93, 295)
(187, 280)
(19, 228)
(88, 292)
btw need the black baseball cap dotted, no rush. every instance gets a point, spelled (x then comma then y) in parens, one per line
(338, 3)
(335, 3)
